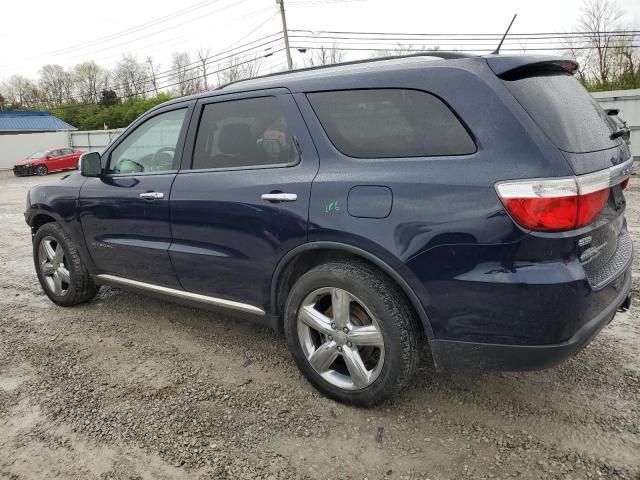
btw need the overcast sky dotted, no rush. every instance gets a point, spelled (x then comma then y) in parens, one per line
(33, 33)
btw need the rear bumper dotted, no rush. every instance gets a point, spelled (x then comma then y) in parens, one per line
(487, 356)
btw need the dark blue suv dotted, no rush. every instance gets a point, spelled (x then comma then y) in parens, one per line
(471, 204)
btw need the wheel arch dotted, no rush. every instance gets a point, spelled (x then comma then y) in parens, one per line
(293, 264)
(39, 219)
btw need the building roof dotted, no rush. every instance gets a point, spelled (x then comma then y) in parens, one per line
(17, 120)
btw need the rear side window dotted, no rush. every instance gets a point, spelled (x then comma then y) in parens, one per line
(390, 123)
(564, 110)
(244, 133)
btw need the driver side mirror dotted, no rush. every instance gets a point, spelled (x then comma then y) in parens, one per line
(90, 165)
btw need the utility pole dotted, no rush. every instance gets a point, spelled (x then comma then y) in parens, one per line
(286, 34)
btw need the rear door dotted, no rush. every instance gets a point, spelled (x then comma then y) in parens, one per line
(125, 213)
(241, 200)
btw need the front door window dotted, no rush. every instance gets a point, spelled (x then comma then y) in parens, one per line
(151, 147)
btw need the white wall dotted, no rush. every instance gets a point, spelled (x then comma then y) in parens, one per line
(628, 102)
(94, 140)
(18, 147)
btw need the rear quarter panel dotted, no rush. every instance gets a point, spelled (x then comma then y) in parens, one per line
(438, 202)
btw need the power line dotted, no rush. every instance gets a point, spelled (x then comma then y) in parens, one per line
(134, 29)
(165, 29)
(339, 32)
(312, 47)
(139, 94)
(457, 38)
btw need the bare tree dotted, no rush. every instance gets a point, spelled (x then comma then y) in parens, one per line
(152, 70)
(203, 56)
(21, 92)
(403, 49)
(89, 81)
(324, 56)
(130, 77)
(56, 85)
(185, 75)
(236, 69)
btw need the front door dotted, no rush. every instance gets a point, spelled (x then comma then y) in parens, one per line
(55, 160)
(242, 199)
(125, 213)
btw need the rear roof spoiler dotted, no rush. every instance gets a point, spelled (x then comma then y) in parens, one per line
(514, 66)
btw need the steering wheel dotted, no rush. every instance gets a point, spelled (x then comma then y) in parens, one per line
(171, 150)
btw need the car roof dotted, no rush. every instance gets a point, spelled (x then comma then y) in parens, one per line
(330, 72)
(331, 75)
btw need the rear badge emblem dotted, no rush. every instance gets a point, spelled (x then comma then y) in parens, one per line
(584, 241)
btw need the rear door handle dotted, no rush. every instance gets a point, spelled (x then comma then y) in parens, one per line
(152, 195)
(279, 197)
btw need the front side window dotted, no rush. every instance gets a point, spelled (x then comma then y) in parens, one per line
(388, 123)
(243, 133)
(151, 147)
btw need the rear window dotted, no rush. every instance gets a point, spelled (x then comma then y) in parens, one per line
(390, 123)
(565, 111)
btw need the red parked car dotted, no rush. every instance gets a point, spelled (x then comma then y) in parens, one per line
(46, 161)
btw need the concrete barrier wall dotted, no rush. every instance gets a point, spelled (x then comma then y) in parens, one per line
(17, 147)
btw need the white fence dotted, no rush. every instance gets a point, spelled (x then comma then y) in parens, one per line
(93, 140)
(18, 147)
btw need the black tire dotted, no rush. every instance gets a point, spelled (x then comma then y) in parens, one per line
(41, 170)
(395, 318)
(81, 287)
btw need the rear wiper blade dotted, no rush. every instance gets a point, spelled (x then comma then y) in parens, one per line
(619, 133)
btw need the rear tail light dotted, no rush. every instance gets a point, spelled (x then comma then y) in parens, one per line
(560, 204)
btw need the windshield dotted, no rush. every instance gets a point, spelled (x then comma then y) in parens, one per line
(565, 111)
(38, 154)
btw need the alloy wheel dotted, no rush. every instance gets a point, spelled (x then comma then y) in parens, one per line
(53, 266)
(340, 338)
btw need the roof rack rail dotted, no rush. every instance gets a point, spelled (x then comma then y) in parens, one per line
(433, 53)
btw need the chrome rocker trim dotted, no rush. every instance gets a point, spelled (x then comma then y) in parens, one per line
(179, 294)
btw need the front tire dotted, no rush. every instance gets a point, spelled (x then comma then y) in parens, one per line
(61, 272)
(352, 332)
(41, 170)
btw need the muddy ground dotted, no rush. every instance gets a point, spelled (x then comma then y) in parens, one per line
(130, 387)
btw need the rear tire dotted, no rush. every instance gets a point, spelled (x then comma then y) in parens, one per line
(363, 356)
(61, 272)
(41, 170)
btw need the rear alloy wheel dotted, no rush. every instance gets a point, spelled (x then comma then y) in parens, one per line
(340, 338)
(41, 170)
(352, 332)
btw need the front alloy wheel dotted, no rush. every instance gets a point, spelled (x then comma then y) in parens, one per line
(61, 272)
(53, 266)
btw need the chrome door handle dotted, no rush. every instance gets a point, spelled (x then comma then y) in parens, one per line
(152, 195)
(279, 197)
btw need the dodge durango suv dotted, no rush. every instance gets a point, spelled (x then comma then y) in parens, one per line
(368, 210)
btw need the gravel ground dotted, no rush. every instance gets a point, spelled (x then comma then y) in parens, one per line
(132, 387)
